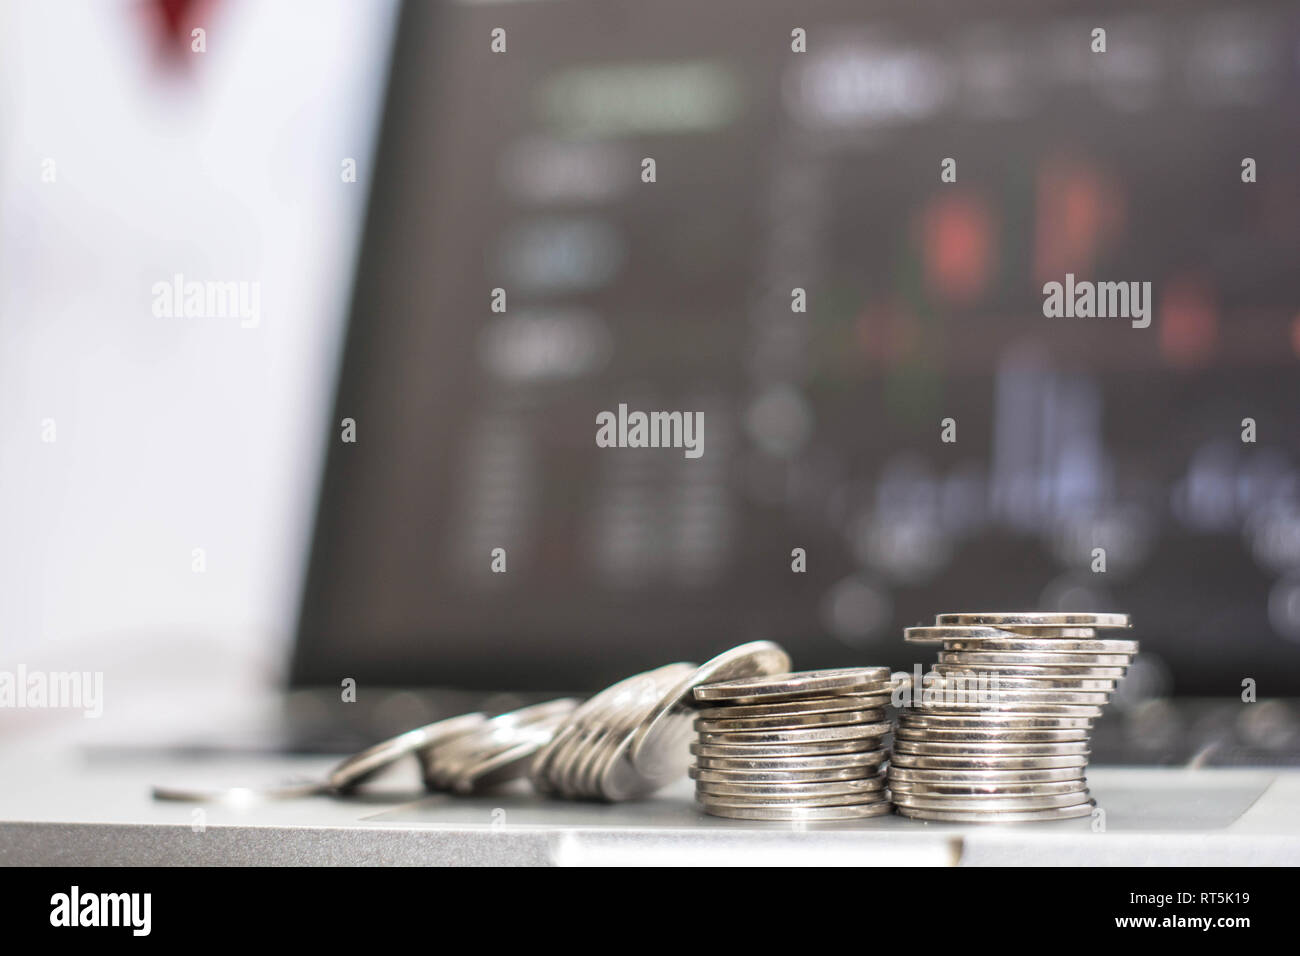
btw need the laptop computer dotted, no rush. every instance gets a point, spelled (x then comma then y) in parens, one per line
(525, 271)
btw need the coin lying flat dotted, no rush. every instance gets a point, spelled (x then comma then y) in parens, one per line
(938, 635)
(967, 802)
(1053, 672)
(818, 749)
(850, 680)
(1034, 659)
(658, 744)
(1033, 619)
(989, 736)
(989, 762)
(997, 681)
(783, 790)
(1003, 816)
(801, 706)
(1046, 637)
(977, 777)
(1041, 788)
(920, 718)
(288, 789)
(798, 736)
(1012, 642)
(797, 814)
(1011, 708)
(790, 721)
(792, 777)
(865, 758)
(710, 800)
(1014, 698)
(943, 748)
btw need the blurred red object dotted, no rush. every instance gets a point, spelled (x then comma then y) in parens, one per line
(174, 22)
(958, 242)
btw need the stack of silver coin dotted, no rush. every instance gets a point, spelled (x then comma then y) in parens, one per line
(999, 730)
(632, 738)
(807, 746)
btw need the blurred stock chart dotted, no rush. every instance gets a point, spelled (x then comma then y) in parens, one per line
(927, 435)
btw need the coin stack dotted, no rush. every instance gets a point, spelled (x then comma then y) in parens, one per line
(800, 747)
(999, 730)
(632, 738)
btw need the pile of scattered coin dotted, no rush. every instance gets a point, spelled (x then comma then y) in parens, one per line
(999, 730)
(631, 738)
(495, 751)
(801, 747)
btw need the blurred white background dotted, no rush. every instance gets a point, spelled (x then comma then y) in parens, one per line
(170, 434)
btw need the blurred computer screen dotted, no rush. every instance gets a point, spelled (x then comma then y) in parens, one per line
(775, 171)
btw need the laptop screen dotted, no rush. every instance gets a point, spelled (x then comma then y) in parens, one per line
(679, 325)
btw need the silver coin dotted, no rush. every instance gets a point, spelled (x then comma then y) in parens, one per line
(1023, 681)
(612, 775)
(994, 777)
(1046, 637)
(1034, 671)
(992, 736)
(544, 771)
(1007, 709)
(1034, 659)
(918, 719)
(802, 814)
(828, 800)
(534, 726)
(990, 762)
(565, 766)
(498, 729)
(503, 765)
(568, 767)
(968, 802)
(803, 735)
(791, 790)
(898, 785)
(659, 741)
(939, 635)
(849, 680)
(292, 788)
(801, 707)
(841, 718)
(1003, 816)
(820, 748)
(605, 760)
(1016, 643)
(1006, 698)
(620, 779)
(543, 761)
(1033, 619)
(362, 766)
(865, 758)
(936, 748)
(788, 777)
